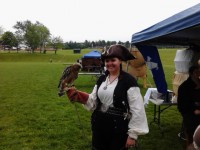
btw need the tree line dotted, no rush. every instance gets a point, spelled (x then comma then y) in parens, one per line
(38, 36)
(33, 35)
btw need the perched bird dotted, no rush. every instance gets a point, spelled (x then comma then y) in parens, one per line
(69, 74)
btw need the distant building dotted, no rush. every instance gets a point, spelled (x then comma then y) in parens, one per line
(77, 51)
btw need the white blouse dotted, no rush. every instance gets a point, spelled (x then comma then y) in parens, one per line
(138, 123)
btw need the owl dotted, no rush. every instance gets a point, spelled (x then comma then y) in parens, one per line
(69, 75)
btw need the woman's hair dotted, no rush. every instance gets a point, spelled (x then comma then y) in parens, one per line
(193, 68)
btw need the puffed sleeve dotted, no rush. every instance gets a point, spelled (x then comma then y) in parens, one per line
(92, 100)
(138, 123)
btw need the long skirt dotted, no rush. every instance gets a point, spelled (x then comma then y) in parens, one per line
(109, 132)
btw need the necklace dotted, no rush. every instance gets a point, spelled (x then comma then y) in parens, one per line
(105, 87)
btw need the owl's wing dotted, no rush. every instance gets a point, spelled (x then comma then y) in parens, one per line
(65, 74)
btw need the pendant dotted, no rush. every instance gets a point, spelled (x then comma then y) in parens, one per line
(105, 87)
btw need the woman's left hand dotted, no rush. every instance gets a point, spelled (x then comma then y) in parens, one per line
(130, 142)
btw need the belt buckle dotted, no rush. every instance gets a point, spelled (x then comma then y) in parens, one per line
(127, 116)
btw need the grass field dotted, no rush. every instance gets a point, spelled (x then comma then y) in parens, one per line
(33, 117)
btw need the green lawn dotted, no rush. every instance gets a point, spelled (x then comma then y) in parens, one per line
(33, 117)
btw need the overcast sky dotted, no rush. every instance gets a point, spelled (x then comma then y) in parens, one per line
(92, 20)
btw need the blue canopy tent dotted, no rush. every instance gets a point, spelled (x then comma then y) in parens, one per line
(180, 29)
(92, 54)
(91, 61)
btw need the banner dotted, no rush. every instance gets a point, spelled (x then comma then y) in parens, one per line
(153, 62)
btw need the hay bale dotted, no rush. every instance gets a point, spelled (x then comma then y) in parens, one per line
(136, 67)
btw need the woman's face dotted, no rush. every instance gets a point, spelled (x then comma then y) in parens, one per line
(113, 64)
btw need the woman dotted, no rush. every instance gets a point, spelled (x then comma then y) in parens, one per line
(118, 114)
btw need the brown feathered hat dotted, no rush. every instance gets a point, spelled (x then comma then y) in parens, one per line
(118, 51)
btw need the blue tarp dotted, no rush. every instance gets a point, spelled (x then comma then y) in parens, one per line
(180, 29)
(92, 54)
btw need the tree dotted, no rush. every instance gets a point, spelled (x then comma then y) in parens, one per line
(127, 44)
(57, 43)
(9, 39)
(1, 31)
(33, 35)
(87, 44)
(44, 35)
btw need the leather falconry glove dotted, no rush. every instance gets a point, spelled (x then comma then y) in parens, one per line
(77, 96)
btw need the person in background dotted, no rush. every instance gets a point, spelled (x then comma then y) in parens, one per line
(118, 114)
(189, 103)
